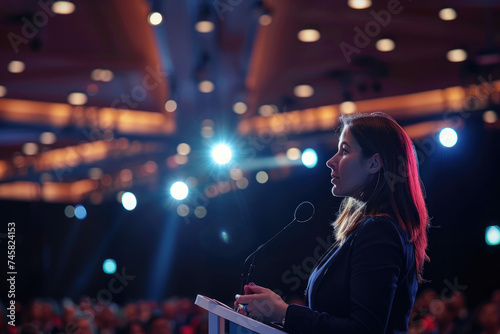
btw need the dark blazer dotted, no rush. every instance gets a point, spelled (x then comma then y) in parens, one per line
(368, 285)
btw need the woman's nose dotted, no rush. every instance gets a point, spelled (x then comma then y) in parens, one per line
(330, 163)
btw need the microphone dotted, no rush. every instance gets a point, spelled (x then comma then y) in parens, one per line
(303, 213)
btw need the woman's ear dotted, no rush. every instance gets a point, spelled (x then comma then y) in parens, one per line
(374, 163)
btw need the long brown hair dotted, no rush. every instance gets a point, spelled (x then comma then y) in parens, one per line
(396, 191)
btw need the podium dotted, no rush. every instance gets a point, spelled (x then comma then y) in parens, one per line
(223, 319)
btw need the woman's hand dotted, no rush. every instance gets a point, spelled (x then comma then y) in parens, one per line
(262, 303)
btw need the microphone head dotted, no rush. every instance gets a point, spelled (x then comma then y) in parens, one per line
(304, 212)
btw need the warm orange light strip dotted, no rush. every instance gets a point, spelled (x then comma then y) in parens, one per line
(72, 192)
(453, 100)
(62, 115)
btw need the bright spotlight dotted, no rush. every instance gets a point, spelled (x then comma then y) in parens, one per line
(129, 201)
(109, 266)
(309, 158)
(222, 154)
(179, 190)
(80, 212)
(492, 235)
(448, 137)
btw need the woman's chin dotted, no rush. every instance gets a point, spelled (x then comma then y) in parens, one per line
(336, 192)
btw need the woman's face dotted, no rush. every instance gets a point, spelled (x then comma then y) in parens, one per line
(350, 170)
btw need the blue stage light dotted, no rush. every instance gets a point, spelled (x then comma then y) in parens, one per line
(109, 266)
(492, 235)
(179, 190)
(222, 154)
(129, 201)
(448, 137)
(309, 158)
(80, 212)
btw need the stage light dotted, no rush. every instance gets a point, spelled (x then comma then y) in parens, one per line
(447, 14)
(242, 183)
(492, 235)
(63, 7)
(155, 18)
(69, 211)
(3, 91)
(448, 137)
(77, 99)
(240, 108)
(30, 148)
(265, 19)
(293, 153)
(204, 26)
(309, 158)
(224, 236)
(179, 190)
(303, 91)
(262, 177)
(16, 66)
(490, 116)
(183, 149)
(222, 154)
(170, 106)
(200, 212)
(359, 4)
(129, 201)
(348, 107)
(183, 210)
(206, 86)
(47, 138)
(456, 55)
(308, 35)
(109, 266)
(80, 212)
(385, 45)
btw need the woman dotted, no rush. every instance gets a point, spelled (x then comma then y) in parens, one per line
(367, 282)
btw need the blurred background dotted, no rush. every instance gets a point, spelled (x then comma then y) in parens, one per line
(148, 147)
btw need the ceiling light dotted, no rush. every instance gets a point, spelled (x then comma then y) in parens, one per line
(308, 35)
(155, 18)
(265, 20)
(447, 14)
(16, 66)
(63, 7)
(77, 99)
(30, 148)
(47, 138)
(240, 108)
(385, 45)
(490, 116)
(348, 107)
(204, 26)
(206, 86)
(303, 91)
(171, 106)
(267, 110)
(359, 4)
(456, 55)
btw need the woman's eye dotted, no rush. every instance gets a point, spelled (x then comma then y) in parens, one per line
(344, 151)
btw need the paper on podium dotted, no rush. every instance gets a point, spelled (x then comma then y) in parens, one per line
(222, 310)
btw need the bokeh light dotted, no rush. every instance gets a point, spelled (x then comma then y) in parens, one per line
(129, 201)
(448, 137)
(80, 212)
(222, 154)
(179, 190)
(309, 158)
(109, 266)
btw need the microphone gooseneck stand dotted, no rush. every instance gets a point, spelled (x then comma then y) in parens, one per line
(248, 269)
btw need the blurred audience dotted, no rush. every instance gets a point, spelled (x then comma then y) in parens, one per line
(432, 313)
